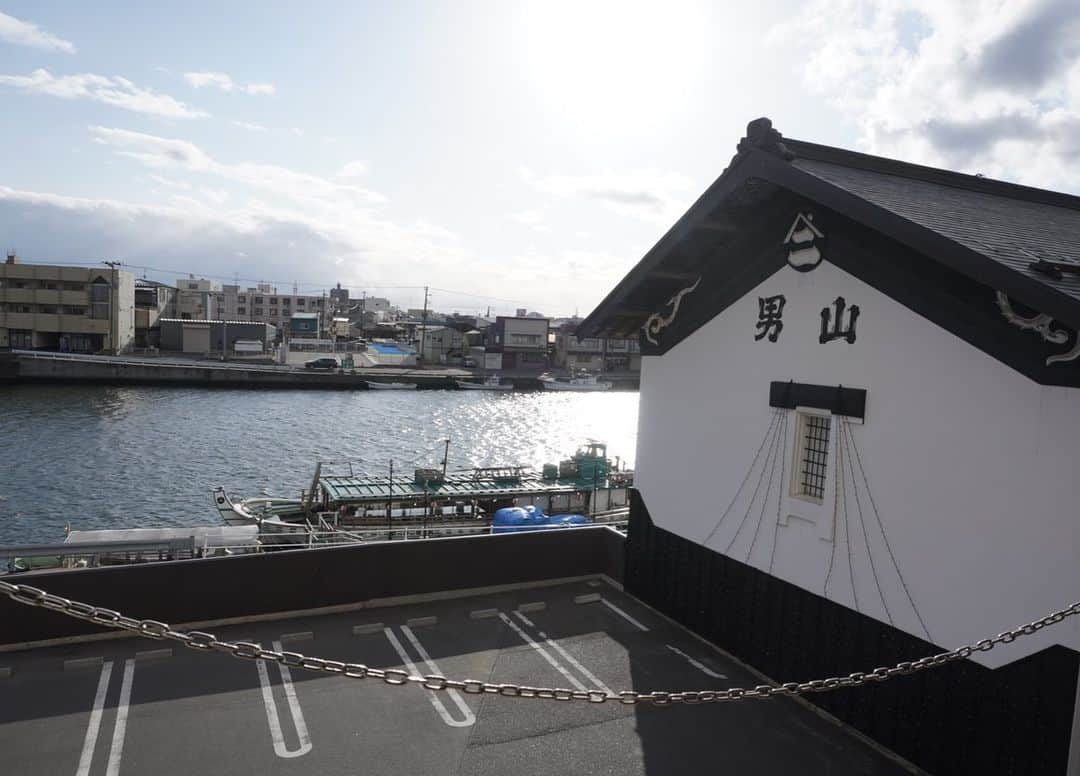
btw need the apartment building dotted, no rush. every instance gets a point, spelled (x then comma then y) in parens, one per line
(153, 302)
(197, 299)
(68, 309)
(519, 342)
(594, 354)
(263, 303)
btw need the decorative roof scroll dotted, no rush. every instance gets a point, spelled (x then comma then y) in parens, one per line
(1042, 325)
(656, 322)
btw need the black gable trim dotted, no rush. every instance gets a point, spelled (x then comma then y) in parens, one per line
(850, 402)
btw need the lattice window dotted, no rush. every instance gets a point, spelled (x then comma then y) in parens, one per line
(812, 456)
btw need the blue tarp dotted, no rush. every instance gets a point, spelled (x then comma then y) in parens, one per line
(510, 519)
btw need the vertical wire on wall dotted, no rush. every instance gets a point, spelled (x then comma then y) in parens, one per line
(862, 520)
(838, 483)
(753, 464)
(885, 536)
(780, 493)
(757, 488)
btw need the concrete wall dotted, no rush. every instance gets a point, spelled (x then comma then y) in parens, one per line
(972, 467)
(248, 585)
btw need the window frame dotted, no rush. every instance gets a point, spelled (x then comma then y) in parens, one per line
(798, 473)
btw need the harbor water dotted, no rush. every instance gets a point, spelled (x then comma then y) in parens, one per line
(108, 457)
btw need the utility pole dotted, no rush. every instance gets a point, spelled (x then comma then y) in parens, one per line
(363, 311)
(423, 324)
(114, 331)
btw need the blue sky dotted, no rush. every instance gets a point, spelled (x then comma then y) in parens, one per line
(515, 153)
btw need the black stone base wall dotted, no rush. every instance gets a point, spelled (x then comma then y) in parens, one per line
(961, 718)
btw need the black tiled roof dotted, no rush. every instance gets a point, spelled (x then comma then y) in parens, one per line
(1012, 230)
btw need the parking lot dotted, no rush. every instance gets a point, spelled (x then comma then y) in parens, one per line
(140, 706)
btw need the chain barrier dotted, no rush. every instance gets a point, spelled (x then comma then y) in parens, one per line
(198, 640)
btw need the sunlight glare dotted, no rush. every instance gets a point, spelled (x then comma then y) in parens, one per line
(606, 65)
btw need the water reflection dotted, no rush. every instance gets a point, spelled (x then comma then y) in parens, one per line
(103, 457)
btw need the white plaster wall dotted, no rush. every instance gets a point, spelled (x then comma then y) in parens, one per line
(973, 467)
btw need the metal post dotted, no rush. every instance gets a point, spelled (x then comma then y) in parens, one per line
(390, 503)
(446, 455)
(423, 325)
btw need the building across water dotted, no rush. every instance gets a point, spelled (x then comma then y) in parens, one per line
(858, 435)
(68, 309)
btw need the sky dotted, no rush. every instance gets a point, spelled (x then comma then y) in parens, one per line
(504, 153)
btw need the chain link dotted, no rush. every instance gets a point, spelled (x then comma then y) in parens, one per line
(199, 640)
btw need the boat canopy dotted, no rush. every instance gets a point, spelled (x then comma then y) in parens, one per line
(457, 486)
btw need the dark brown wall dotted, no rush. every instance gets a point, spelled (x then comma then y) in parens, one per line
(216, 588)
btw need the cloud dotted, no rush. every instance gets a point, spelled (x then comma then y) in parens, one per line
(984, 86)
(249, 125)
(534, 219)
(646, 194)
(260, 88)
(29, 34)
(110, 90)
(193, 235)
(225, 83)
(1038, 48)
(161, 152)
(353, 169)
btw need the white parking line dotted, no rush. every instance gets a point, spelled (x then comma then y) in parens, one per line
(569, 658)
(90, 740)
(407, 662)
(120, 726)
(622, 614)
(697, 664)
(454, 694)
(280, 748)
(532, 643)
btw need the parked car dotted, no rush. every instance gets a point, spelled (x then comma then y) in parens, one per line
(322, 363)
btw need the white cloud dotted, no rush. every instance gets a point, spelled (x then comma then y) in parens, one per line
(225, 83)
(110, 90)
(192, 234)
(29, 34)
(260, 88)
(160, 152)
(647, 194)
(249, 125)
(353, 169)
(989, 86)
(534, 219)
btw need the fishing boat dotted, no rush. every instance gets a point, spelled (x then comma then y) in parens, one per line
(390, 386)
(489, 383)
(587, 482)
(580, 381)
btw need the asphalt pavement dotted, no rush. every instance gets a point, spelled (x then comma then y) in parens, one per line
(137, 706)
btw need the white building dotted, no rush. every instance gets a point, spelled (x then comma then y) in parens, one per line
(197, 299)
(264, 303)
(70, 309)
(858, 441)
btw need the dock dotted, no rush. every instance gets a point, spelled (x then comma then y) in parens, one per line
(42, 367)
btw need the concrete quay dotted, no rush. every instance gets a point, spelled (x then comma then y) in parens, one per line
(26, 367)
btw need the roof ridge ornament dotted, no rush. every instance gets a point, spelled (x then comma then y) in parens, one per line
(656, 322)
(761, 135)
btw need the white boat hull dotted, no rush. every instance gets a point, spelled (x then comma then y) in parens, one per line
(391, 386)
(555, 385)
(483, 386)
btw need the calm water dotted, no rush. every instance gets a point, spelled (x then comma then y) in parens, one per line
(101, 457)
